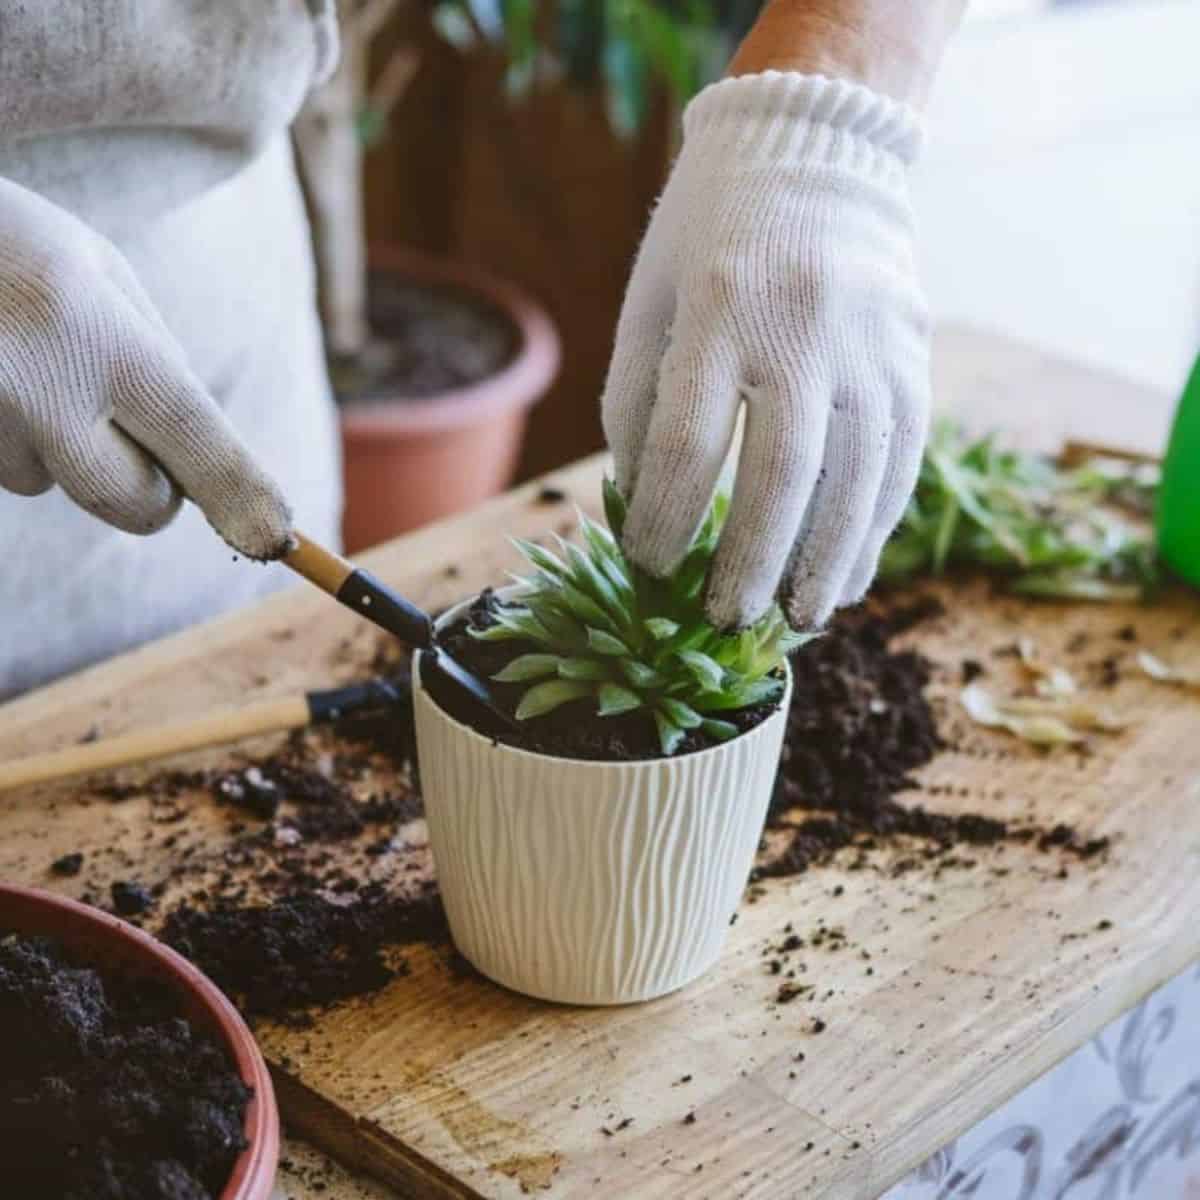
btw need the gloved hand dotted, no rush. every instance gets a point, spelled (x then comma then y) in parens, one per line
(96, 396)
(777, 269)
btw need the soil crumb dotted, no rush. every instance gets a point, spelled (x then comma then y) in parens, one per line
(107, 1092)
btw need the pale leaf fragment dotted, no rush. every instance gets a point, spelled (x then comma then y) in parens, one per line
(1040, 729)
(1154, 666)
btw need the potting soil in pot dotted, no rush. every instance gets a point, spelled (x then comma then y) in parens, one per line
(426, 340)
(106, 1092)
(572, 730)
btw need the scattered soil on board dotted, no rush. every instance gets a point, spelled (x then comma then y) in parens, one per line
(326, 879)
(859, 724)
(426, 340)
(107, 1092)
(571, 730)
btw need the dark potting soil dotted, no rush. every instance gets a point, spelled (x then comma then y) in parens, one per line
(572, 730)
(293, 921)
(303, 950)
(106, 1092)
(425, 340)
(859, 724)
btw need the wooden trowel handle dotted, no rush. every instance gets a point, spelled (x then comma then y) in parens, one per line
(268, 716)
(360, 590)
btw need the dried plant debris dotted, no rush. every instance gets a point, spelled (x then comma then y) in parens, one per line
(1161, 672)
(1054, 714)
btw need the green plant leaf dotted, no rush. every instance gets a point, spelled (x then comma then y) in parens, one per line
(543, 698)
(615, 699)
(587, 610)
(614, 508)
(529, 666)
(660, 628)
(707, 671)
(541, 558)
(669, 736)
(584, 668)
(640, 675)
(721, 730)
(679, 713)
(605, 643)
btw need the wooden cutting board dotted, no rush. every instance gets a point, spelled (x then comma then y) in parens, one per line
(947, 993)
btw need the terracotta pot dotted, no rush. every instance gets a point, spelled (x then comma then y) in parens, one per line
(591, 882)
(408, 462)
(107, 941)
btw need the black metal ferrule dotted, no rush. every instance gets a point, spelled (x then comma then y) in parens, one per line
(335, 703)
(374, 600)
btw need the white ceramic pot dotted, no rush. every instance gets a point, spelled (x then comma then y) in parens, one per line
(591, 882)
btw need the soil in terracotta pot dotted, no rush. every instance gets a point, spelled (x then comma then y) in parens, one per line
(425, 340)
(106, 1092)
(572, 730)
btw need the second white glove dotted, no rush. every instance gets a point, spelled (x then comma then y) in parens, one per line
(96, 395)
(777, 271)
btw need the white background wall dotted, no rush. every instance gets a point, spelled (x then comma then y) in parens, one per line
(1059, 197)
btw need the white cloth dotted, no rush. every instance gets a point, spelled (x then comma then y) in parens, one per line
(161, 125)
(1117, 1120)
(777, 271)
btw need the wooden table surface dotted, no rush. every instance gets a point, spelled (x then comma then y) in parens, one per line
(949, 996)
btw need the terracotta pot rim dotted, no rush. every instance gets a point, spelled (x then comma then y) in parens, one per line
(253, 1176)
(521, 383)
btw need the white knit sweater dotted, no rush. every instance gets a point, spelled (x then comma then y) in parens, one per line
(162, 124)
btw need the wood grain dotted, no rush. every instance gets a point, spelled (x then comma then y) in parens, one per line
(954, 989)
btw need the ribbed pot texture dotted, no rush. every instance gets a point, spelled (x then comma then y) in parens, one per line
(591, 882)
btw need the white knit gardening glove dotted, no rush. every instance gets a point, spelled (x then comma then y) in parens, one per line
(95, 394)
(777, 269)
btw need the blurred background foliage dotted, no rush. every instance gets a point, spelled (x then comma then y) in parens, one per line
(626, 47)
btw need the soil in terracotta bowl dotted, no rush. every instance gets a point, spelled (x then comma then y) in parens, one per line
(573, 730)
(425, 340)
(106, 1091)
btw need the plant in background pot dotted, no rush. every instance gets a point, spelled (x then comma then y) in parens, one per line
(435, 365)
(597, 855)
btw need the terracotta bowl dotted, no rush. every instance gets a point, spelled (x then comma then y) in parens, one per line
(106, 941)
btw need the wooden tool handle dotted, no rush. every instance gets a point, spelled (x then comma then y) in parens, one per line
(359, 590)
(268, 716)
(329, 571)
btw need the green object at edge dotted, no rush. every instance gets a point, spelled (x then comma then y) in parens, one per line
(1178, 515)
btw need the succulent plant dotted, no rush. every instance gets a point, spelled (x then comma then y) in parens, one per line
(607, 631)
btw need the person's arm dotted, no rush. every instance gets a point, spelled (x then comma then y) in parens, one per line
(778, 274)
(891, 46)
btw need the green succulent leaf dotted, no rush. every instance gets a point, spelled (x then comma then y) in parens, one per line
(640, 675)
(661, 628)
(529, 667)
(721, 730)
(614, 508)
(604, 643)
(590, 669)
(679, 713)
(706, 670)
(669, 736)
(615, 699)
(543, 698)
